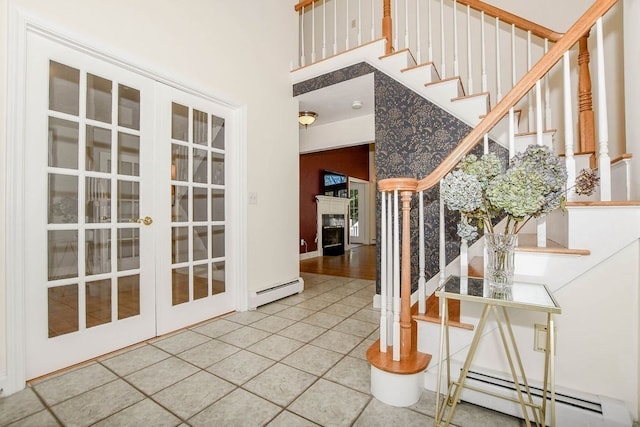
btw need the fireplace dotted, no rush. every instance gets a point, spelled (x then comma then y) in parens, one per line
(333, 234)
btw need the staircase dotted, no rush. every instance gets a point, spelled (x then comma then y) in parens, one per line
(574, 252)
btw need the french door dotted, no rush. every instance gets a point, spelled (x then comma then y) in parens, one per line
(125, 200)
(358, 211)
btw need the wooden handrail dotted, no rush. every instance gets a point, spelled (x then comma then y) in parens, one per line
(303, 3)
(577, 30)
(510, 18)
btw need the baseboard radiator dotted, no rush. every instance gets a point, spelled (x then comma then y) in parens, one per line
(265, 296)
(572, 408)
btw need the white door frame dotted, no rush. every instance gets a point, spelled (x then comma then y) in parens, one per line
(19, 24)
(363, 210)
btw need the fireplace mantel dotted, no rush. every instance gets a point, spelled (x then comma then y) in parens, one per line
(328, 205)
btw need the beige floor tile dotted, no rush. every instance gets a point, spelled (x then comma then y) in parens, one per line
(180, 342)
(208, 353)
(337, 341)
(244, 337)
(99, 403)
(144, 413)
(280, 384)
(239, 408)
(191, 395)
(77, 381)
(275, 347)
(134, 360)
(312, 359)
(240, 367)
(327, 403)
(19, 405)
(161, 375)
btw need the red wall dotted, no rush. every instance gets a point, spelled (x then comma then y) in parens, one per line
(351, 161)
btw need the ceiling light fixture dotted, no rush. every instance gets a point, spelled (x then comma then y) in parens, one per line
(356, 105)
(306, 118)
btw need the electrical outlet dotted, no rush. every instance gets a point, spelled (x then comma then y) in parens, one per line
(353, 23)
(253, 198)
(540, 337)
(302, 242)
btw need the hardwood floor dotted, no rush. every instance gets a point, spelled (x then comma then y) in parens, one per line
(358, 262)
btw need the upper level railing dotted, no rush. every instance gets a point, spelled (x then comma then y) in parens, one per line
(488, 48)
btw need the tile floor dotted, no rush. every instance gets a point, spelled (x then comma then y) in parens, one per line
(299, 361)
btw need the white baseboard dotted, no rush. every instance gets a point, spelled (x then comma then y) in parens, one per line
(309, 255)
(265, 296)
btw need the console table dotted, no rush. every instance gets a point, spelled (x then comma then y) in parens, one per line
(523, 296)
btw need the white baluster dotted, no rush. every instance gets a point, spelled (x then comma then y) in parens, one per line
(483, 55)
(406, 24)
(359, 22)
(390, 272)
(422, 302)
(469, 72)
(346, 22)
(547, 95)
(313, 32)
(498, 64)
(395, 25)
(443, 56)
(464, 258)
(324, 30)
(302, 58)
(513, 55)
(373, 22)
(485, 144)
(383, 275)
(530, 114)
(512, 133)
(568, 126)
(455, 38)
(418, 41)
(541, 229)
(335, 27)
(396, 278)
(604, 162)
(430, 33)
(538, 113)
(442, 238)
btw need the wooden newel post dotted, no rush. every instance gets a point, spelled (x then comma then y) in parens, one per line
(586, 126)
(405, 276)
(386, 25)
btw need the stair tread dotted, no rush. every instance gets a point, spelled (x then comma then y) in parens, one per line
(438, 320)
(596, 203)
(399, 52)
(475, 95)
(414, 67)
(534, 133)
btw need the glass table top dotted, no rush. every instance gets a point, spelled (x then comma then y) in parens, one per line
(530, 296)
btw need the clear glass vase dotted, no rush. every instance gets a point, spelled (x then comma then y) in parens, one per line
(500, 263)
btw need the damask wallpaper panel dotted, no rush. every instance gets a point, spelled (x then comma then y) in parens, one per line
(412, 136)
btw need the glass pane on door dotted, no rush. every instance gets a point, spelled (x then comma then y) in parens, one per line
(91, 280)
(197, 198)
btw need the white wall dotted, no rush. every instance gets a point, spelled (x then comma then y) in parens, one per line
(238, 51)
(344, 133)
(597, 333)
(632, 88)
(3, 144)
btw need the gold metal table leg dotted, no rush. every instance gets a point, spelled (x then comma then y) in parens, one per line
(467, 363)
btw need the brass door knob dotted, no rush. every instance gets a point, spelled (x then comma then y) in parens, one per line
(147, 220)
